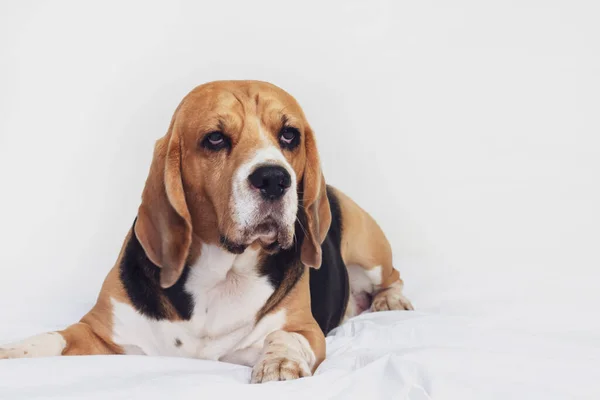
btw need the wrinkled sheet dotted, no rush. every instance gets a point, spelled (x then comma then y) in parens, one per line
(393, 355)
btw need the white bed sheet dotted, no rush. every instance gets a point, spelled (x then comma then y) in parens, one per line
(391, 355)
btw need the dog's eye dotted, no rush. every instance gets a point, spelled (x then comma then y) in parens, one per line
(289, 137)
(215, 138)
(215, 141)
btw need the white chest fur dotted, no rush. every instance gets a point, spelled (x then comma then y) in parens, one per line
(227, 293)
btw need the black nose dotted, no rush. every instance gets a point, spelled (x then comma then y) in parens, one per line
(272, 181)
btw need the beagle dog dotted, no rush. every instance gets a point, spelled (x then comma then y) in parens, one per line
(239, 252)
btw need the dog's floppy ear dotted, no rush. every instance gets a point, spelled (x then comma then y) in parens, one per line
(163, 225)
(315, 203)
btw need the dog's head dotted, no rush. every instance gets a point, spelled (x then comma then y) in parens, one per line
(237, 162)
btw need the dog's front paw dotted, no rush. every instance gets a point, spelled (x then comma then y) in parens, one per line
(286, 356)
(275, 368)
(42, 345)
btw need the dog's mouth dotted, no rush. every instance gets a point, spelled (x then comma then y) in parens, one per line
(266, 232)
(269, 233)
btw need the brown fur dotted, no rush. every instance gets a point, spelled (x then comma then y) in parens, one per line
(299, 317)
(363, 242)
(83, 340)
(290, 279)
(316, 205)
(92, 335)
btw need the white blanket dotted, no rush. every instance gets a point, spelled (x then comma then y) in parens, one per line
(399, 355)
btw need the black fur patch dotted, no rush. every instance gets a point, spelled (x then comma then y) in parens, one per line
(283, 268)
(329, 285)
(141, 279)
(275, 266)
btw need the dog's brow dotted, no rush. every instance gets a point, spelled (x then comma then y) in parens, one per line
(221, 125)
(239, 101)
(229, 120)
(284, 119)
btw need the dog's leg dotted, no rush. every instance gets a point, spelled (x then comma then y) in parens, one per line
(368, 256)
(381, 282)
(77, 339)
(390, 296)
(42, 345)
(374, 289)
(297, 349)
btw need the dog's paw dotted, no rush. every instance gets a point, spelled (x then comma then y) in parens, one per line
(391, 299)
(43, 345)
(286, 356)
(279, 369)
(6, 352)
